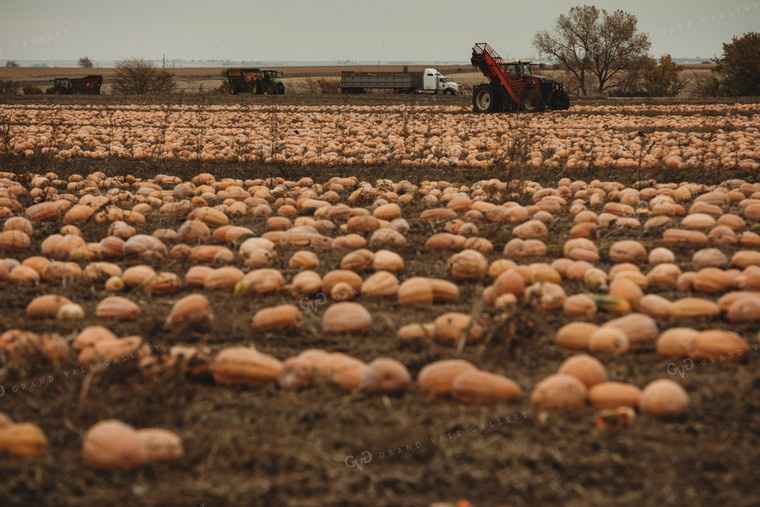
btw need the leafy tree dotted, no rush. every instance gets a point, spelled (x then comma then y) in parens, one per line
(137, 77)
(30, 89)
(11, 63)
(592, 44)
(85, 62)
(738, 70)
(661, 79)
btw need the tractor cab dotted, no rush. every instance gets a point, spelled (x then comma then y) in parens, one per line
(519, 69)
(61, 85)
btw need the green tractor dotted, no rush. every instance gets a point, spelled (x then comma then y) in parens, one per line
(255, 81)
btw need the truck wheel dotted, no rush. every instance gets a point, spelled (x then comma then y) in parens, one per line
(532, 102)
(448, 91)
(484, 99)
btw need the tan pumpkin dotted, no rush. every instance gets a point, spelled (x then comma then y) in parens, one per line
(261, 281)
(14, 241)
(467, 265)
(717, 345)
(118, 308)
(655, 306)
(346, 317)
(23, 275)
(579, 305)
(691, 307)
(22, 440)
(159, 445)
(190, 310)
(306, 283)
(606, 395)
(112, 444)
(712, 280)
(453, 327)
(165, 282)
(628, 251)
(575, 335)
(585, 368)
(641, 330)
(608, 340)
(90, 335)
(437, 378)
(665, 274)
(247, 366)
(415, 291)
(303, 259)
(385, 260)
(559, 393)
(224, 278)
(676, 342)
(45, 306)
(626, 289)
(381, 283)
(744, 309)
(277, 317)
(476, 387)
(343, 370)
(416, 331)
(47, 210)
(385, 376)
(358, 260)
(664, 398)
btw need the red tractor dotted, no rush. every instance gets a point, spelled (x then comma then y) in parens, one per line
(512, 86)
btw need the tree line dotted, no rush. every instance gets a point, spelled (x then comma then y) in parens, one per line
(605, 53)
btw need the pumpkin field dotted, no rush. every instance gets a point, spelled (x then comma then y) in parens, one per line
(357, 302)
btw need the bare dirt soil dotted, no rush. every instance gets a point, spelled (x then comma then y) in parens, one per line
(326, 446)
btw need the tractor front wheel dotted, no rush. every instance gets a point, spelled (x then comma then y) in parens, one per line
(532, 102)
(484, 100)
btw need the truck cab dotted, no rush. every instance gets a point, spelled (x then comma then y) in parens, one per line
(434, 81)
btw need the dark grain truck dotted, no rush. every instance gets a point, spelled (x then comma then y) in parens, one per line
(66, 86)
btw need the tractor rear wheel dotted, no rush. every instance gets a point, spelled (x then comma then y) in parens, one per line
(559, 99)
(484, 99)
(532, 102)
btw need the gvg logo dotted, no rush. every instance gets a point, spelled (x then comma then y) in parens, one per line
(673, 369)
(364, 459)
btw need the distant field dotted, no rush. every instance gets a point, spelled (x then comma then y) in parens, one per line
(191, 80)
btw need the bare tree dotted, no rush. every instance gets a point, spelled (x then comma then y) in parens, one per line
(137, 77)
(11, 64)
(85, 62)
(587, 41)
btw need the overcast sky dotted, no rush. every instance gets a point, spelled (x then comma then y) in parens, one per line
(328, 30)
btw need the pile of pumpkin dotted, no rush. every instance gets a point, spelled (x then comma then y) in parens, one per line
(258, 237)
(682, 137)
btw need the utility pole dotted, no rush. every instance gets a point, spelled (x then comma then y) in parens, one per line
(164, 60)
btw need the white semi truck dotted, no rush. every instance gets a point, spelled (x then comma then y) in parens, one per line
(428, 81)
